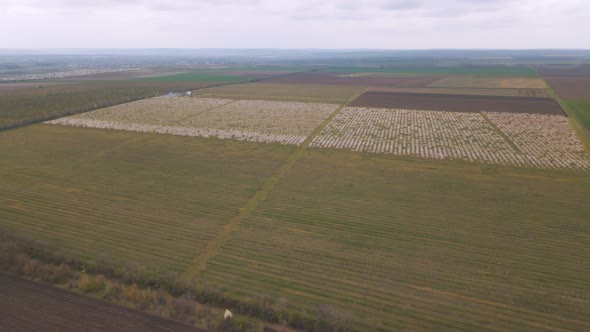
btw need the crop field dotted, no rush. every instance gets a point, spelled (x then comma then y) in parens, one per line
(153, 199)
(343, 79)
(246, 120)
(490, 83)
(200, 76)
(31, 306)
(276, 91)
(457, 103)
(469, 91)
(31, 102)
(530, 140)
(443, 71)
(581, 110)
(575, 88)
(403, 245)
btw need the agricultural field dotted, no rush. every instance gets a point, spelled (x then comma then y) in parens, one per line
(530, 140)
(469, 91)
(411, 245)
(581, 110)
(288, 92)
(442, 71)
(31, 306)
(574, 88)
(344, 79)
(152, 199)
(247, 120)
(490, 83)
(33, 102)
(457, 103)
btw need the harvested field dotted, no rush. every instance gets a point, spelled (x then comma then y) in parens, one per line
(407, 246)
(470, 91)
(245, 120)
(457, 103)
(489, 83)
(30, 306)
(544, 141)
(153, 199)
(576, 88)
(303, 92)
(352, 80)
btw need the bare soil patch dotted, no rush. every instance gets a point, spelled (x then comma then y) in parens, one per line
(30, 306)
(457, 103)
(577, 88)
(469, 91)
(353, 80)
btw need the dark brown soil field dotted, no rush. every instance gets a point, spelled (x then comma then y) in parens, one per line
(573, 71)
(457, 103)
(344, 79)
(577, 88)
(469, 91)
(30, 306)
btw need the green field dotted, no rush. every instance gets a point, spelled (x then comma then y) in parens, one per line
(153, 199)
(581, 109)
(417, 245)
(280, 91)
(382, 241)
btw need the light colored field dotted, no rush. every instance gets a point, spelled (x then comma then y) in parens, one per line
(277, 91)
(409, 246)
(469, 91)
(527, 140)
(246, 120)
(153, 199)
(490, 82)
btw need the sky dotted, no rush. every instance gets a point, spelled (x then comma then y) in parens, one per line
(330, 24)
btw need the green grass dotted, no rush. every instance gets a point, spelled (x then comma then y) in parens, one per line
(417, 245)
(478, 71)
(153, 199)
(581, 110)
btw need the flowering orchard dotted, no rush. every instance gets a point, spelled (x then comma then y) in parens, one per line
(535, 140)
(247, 120)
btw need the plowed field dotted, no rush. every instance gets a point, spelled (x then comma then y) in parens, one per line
(577, 88)
(30, 306)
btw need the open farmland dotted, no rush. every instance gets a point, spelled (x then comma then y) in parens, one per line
(153, 199)
(248, 120)
(457, 103)
(30, 306)
(575, 88)
(405, 245)
(32, 102)
(469, 91)
(290, 92)
(530, 140)
(344, 79)
(489, 83)
(581, 110)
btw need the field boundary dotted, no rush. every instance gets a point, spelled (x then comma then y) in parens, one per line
(581, 131)
(214, 246)
(501, 133)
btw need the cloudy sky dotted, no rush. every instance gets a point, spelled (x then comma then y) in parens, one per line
(386, 24)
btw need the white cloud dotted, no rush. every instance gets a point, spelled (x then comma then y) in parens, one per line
(295, 24)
